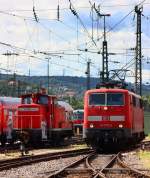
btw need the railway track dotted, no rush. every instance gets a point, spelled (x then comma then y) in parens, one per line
(17, 162)
(145, 145)
(98, 166)
(89, 165)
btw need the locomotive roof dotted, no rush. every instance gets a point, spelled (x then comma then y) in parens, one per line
(106, 90)
(78, 110)
(10, 100)
(112, 90)
(67, 106)
(30, 94)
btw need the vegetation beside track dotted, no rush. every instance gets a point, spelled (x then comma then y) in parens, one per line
(147, 123)
(10, 154)
(145, 158)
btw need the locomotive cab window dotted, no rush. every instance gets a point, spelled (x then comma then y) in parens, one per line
(27, 100)
(115, 99)
(42, 100)
(78, 115)
(134, 101)
(97, 99)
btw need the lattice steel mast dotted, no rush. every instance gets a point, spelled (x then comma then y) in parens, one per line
(105, 73)
(138, 64)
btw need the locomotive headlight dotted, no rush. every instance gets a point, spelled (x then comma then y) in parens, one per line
(105, 108)
(91, 125)
(120, 126)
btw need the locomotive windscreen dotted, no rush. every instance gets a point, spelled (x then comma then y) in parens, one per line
(27, 100)
(115, 99)
(78, 115)
(103, 99)
(43, 100)
(97, 99)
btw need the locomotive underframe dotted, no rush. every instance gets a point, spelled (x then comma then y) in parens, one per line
(78, 129)
(102, 136)
(35, 135)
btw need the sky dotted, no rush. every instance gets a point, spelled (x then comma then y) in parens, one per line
(29, 39)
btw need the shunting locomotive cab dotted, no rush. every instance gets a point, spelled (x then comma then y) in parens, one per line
(33, 116)
(42, 118)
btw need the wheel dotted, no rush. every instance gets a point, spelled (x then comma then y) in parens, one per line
(3, 140)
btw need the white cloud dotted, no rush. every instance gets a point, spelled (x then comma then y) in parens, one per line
(55, 36)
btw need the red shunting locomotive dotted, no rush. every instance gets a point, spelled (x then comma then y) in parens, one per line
(42, 118)
(112, 116)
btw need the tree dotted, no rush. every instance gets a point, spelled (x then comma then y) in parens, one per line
(75, 102)
(146, 102)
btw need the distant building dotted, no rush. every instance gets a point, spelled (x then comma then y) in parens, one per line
(70, 93)
(12, 83)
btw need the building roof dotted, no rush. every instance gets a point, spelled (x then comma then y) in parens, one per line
(10, 100)
(66, 105)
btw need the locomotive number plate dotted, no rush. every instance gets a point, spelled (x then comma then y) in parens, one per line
(105, 118)
(106, 125)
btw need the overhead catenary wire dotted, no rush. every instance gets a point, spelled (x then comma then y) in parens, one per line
(62, 65)
(79, 7)
(34, 20)
(24, 18)
(119, 22)
(57, 64)
(59, 36)
(37, 20)
(125, 67)
(76, 14)
(15, 15)
(35, 15)
(69, 42)
(32, 56)
(134, 57)
(51, 53)
(29, 35)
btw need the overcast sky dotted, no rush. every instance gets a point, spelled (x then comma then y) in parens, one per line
(33, 37)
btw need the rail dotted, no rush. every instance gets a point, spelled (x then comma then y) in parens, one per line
(17, 162)
(93, 172)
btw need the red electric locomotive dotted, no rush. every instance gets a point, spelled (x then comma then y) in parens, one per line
(42, 118)
(77, 119)
(112, 116)
(8, 112)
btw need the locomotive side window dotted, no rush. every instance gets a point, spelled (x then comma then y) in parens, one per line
(97, 99)
(141, 103)
(43, 100)
(134, 101)
(115, 99)
(27, 100)
(137, 102)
